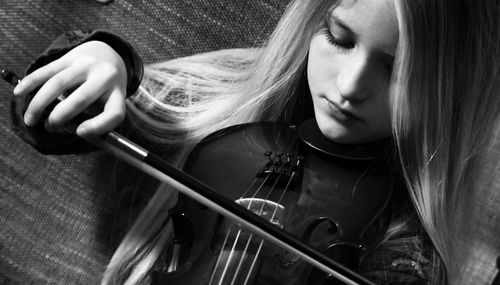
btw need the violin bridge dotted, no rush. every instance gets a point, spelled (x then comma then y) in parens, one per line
(269, 210)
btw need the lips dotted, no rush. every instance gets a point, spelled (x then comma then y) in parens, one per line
(339, 113)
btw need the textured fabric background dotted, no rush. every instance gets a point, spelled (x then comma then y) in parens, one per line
(60, 216)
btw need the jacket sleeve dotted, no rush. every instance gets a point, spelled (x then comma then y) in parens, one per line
(60, 143)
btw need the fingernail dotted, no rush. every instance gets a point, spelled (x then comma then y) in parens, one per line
(19, 88)
(29, 120)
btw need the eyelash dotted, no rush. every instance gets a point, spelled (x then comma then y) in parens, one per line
(336, 42)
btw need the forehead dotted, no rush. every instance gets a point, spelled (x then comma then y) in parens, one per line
(373, 21)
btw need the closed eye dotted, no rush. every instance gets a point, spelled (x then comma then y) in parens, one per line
(346, 45)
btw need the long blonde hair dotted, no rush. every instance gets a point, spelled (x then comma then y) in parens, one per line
(183, 100)
(446, 118)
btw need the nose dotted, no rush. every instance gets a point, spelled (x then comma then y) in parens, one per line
(355, 78)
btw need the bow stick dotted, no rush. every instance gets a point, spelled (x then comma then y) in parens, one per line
(153, 165)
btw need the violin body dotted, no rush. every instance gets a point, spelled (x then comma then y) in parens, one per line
(334, 203)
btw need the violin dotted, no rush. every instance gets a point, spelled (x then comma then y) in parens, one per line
(330, 196)
(321, 203)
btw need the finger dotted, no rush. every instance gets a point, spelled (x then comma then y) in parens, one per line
(112, 115)
(74, 104)
(60, 82)
(40, 76)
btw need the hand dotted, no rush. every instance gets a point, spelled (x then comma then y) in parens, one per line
(90, 72)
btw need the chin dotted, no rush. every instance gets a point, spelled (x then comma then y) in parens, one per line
(340, 134)
(336, 132)
(343, 136)
(349, 133)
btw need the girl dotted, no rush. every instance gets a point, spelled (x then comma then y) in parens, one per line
(425, 72)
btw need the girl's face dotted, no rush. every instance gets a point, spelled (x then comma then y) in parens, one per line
(349, 69)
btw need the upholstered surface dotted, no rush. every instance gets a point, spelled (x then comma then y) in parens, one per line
(62, 216)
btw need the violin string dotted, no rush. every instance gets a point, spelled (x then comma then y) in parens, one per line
(283, 194)
(253, 262)
(240, 263)
(243, 254)
(272, 217)
(252, 184)
(219, 259)
(277, 204)
(231, 253)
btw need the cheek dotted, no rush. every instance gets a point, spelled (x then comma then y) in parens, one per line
(320, 67)
(378, 114)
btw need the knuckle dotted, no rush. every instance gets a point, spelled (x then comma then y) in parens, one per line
(58, 82)
(109, 71)
(80, 102)
(87, 60)
(50, 67)
(32, 78)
